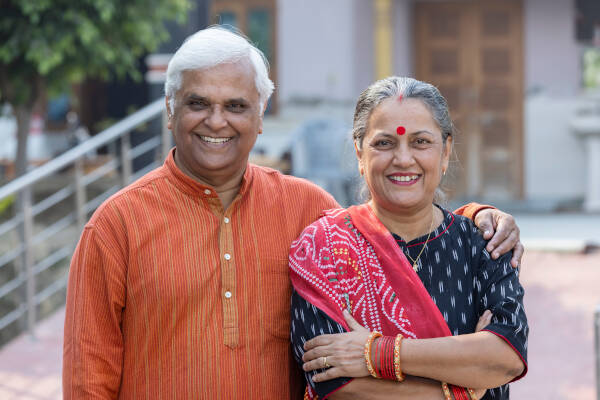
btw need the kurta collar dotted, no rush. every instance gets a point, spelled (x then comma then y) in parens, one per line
(194, 188)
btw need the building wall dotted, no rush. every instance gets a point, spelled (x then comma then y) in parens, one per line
(316, 58)
(326, 53)
(554, 158)
(551, 53)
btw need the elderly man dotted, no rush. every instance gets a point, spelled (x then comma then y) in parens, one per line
(179, 285)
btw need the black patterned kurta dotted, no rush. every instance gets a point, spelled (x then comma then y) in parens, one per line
(463, 282)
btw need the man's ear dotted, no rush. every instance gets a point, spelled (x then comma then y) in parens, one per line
(169, 115)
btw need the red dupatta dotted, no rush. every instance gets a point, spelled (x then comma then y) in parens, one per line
(348, 259)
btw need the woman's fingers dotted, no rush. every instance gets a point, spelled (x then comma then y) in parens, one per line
(352, 324)
(318, 363)
(484, 320)
(328, 374)
(321, 340)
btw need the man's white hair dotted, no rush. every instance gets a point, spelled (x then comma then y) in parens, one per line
(213, 46)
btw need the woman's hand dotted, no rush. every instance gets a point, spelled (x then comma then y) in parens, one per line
(343, 352)
(484, 320)
(502, 231)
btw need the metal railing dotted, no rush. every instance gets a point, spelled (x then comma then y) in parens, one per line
(31, 246)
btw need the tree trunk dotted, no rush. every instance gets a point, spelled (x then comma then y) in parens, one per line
(23, 115)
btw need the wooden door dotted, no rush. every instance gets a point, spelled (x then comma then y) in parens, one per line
(472, 51)
(256, 19)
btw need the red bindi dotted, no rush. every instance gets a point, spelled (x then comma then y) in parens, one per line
(400, 130)
(400, 98)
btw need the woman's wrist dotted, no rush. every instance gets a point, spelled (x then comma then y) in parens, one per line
(384, 360)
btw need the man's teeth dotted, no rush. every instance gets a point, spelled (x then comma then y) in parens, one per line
(404, 178)
(214, 140)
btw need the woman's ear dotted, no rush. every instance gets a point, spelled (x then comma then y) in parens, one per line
(446, 152)
(361, 169)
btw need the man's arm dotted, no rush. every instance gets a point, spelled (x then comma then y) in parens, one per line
(498, 227)
(93, 341)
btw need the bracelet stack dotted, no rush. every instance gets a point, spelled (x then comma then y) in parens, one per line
(459, 395)
(374, 335)
(387, 357)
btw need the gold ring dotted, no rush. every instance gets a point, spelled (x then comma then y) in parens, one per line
(325, 363)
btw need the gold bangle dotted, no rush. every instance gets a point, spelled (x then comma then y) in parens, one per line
(472, 394)
(397, 366)
(374, 335)
(446, 390)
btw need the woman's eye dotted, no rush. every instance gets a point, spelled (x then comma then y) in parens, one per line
(422, 141)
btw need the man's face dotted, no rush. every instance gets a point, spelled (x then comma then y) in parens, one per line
(216, 119)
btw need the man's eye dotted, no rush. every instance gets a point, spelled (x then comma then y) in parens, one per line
(236, 107)
(198, 104)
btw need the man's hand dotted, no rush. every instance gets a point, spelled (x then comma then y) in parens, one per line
(504, 233)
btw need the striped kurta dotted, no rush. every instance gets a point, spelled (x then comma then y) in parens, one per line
(170, 296)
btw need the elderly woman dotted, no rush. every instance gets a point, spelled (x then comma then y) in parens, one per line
(399, 288)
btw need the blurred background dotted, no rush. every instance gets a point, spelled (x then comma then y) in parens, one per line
(82, 114)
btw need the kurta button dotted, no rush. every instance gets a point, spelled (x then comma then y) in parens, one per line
(226, 220)
(207, 191)
(227, 256)
(228, 294)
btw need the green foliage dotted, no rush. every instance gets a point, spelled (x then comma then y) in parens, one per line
(58, 42)
(591, 68)
(6, 203)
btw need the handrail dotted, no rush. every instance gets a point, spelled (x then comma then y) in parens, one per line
(143, 115)
(43, 247)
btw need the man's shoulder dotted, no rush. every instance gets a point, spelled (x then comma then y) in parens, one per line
(131, 193)
(291, 184)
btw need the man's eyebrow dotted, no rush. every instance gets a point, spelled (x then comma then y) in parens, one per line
(237, 100)
(193, 96)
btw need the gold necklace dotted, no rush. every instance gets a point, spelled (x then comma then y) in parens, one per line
(415, 260)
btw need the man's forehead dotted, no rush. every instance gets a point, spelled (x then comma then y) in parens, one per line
(228, 79)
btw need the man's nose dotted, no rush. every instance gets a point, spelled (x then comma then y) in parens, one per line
(216, 119)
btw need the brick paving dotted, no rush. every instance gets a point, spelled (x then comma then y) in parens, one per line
(562, 292)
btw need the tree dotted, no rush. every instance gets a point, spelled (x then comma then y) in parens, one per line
(50, 44)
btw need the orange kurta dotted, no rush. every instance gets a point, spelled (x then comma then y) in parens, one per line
(170, 296)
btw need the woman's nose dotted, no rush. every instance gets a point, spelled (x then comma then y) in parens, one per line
(403, 156)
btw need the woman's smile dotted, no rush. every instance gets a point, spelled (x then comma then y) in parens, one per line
(404, 179)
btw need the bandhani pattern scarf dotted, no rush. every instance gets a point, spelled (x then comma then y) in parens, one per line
(349, 260)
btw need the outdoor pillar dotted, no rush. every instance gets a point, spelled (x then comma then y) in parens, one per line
(155, 77)
(382, 23)
(586, 125)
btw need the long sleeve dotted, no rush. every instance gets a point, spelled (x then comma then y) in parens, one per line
(470, 210)
(93, 340)
(309, 322)
(500, 291)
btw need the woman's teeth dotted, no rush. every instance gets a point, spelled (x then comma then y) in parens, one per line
(214, 140)
(404, 178)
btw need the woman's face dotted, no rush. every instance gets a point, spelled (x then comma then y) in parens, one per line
(402, 171)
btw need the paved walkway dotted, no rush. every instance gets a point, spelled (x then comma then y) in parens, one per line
(562, 291)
